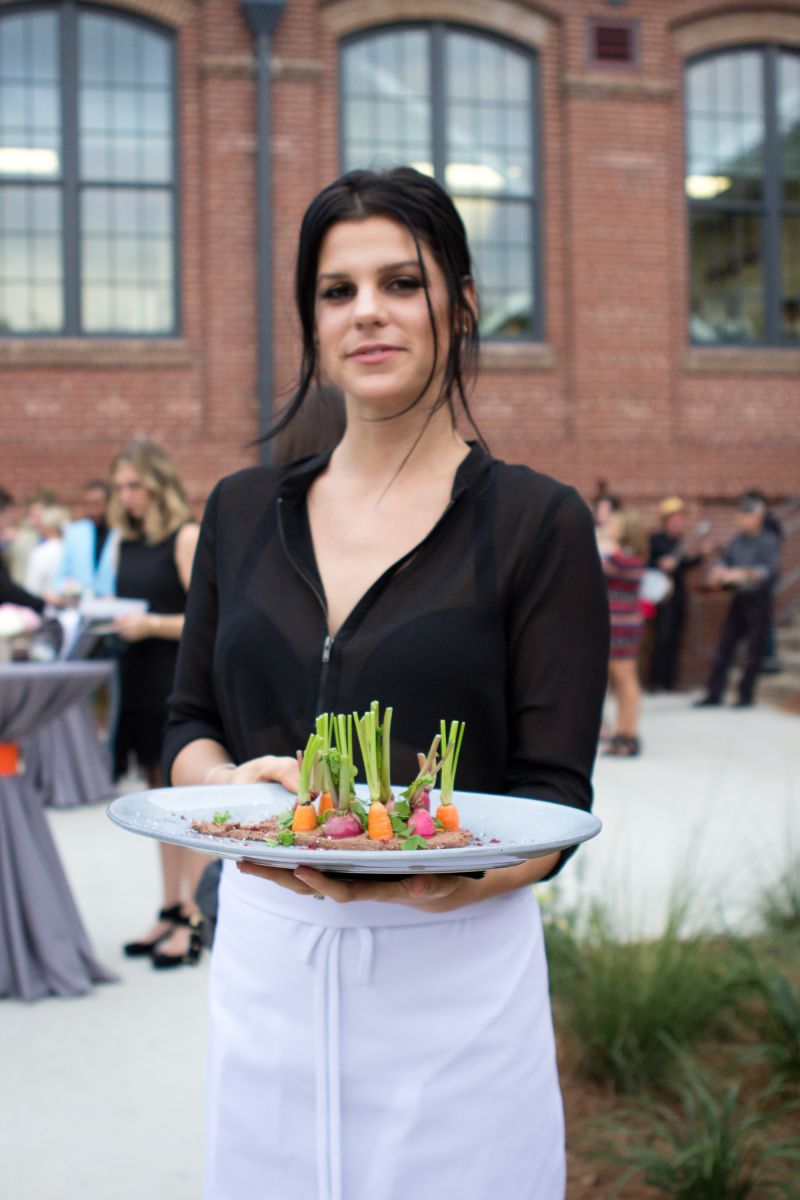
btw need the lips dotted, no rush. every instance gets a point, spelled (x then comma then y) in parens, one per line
(374, 352)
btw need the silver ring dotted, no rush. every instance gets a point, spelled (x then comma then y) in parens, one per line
(318, 897)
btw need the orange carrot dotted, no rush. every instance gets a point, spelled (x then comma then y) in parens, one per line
(448, 815)
(304, 819)
(379, 827)
(325, 803)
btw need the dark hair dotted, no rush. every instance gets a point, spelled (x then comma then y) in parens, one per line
(98, 485)
(614, 502)
(417, 202)
(317, 427)
(6, 500)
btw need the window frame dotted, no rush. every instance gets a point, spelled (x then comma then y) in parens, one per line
(70, 184)
(437, 31)
(771, 208)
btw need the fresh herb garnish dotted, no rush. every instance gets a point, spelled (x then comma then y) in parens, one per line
(414, 843)
(286, 837)
(399, 826)
(285, 819)
(222, 818)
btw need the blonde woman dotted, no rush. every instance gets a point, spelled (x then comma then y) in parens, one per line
(624, 551)
(157, 545)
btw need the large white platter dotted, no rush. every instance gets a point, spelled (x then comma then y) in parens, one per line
(509, 829)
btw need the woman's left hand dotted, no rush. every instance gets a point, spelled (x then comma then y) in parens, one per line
(133, 627)
(429, 893)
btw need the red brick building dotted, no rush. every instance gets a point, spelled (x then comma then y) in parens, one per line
(620, 346)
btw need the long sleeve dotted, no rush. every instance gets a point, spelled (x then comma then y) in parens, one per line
(12, 593)
(558, 660)
(193, 708)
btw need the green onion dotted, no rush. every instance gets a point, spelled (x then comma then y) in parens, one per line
(451, 748)
(306, 768)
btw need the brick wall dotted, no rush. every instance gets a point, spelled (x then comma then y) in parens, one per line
(613, 394)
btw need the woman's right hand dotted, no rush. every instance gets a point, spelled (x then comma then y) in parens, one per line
(270, 768)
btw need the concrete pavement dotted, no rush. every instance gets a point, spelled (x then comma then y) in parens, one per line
(101, 1098)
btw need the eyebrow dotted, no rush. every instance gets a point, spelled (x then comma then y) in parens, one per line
(408, 262)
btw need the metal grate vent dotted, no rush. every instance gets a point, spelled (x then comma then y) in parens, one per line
(613, 43)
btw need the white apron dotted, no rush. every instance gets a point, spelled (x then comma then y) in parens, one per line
(371, 1052)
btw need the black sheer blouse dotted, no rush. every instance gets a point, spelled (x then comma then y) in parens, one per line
(498, 618)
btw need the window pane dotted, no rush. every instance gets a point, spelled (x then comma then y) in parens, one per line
(30, 97)
(31, 272)
(387, 100)
(499, 235)
(790, 279)
(125, 101)
(489, 130)
(789, 123)
(727, 278)
(725, 127)
(126, 261)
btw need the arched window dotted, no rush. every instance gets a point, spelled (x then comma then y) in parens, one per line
(743, 187)
(87, 173)
(461, 106)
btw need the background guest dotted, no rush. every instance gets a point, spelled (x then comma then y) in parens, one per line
(669, 553)
(44, 563)
(90, 546)
(604, 506)
(623, 549)
(11, 592)
(157, 545)
(749, 566)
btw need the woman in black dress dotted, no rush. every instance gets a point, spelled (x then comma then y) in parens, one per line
(409, 566)
(158, 540)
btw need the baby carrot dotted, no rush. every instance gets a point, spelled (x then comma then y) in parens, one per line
(304, 819)
(448, 815)
(379, 827)
(325, 803)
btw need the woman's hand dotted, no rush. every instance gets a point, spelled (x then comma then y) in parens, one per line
(430, 893)
(270, 768)
(133, 627)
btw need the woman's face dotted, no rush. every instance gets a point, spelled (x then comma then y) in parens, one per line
(372, 320)
(134, 496)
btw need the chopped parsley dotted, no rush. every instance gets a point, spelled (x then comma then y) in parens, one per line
(222, 818)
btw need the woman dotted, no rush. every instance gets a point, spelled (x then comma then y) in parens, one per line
(407, 566)
(156, 552)
(49, 521)
(624, 553)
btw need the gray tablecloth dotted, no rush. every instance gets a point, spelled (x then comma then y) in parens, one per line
(66, 761)
(44, 949)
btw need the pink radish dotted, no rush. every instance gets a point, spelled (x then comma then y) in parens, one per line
(346, 825)
(421, 823)
(422, 801)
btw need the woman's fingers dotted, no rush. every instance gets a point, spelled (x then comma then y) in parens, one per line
(283, 878)
(415, 890)
(270, 768)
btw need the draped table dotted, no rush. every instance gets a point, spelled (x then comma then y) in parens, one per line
(44, 948)
(66, 761)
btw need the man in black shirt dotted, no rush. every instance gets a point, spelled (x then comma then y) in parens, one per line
(668, 554)
(10, 592)
(750, 565)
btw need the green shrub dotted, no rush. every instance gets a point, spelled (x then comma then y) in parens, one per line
(779, 905)
(627, 1003)
(776, 1021)
(716, 1147)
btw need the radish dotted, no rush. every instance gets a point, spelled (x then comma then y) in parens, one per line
(342, 825)
(422, 801)
(421, 823)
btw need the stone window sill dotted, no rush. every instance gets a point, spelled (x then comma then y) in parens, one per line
(747, 360)
(145, 353)
(516, 356)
